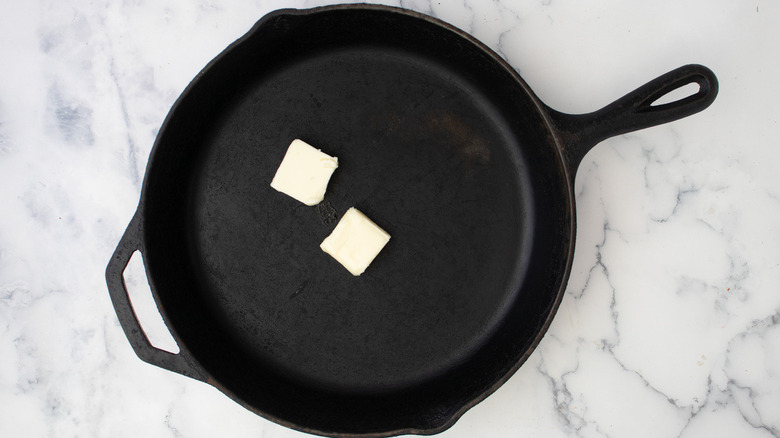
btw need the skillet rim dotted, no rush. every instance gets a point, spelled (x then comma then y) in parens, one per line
(549, 128)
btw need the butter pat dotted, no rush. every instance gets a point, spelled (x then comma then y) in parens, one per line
(304, 173)
(355, 241)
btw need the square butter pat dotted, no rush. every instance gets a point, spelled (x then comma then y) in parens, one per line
(304, 173)
(355, 241)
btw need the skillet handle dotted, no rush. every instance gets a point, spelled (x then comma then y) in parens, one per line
(634, 111)
(130, 243)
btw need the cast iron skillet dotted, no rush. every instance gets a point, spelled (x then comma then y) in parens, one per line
(441, 143)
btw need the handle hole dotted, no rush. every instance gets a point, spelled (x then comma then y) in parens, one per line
(144, 307)
(677, 94)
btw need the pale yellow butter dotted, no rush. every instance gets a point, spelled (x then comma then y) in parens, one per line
(304, 173)
(355, 241)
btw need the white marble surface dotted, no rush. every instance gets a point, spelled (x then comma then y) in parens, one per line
(669, 327)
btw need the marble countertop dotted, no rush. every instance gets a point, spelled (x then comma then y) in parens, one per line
(669, 326)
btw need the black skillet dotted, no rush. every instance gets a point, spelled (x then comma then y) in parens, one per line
(441, 143)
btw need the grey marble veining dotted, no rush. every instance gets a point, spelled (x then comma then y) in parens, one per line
(670, 323)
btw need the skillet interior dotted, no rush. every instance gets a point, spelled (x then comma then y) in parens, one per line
(438, 143)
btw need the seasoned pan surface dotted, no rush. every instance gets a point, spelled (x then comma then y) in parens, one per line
(439, 142)
(424, 153)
